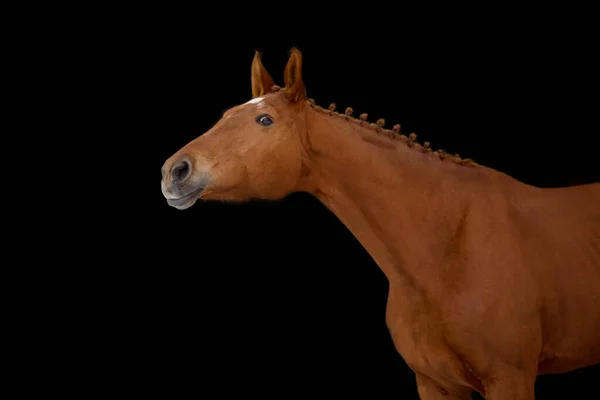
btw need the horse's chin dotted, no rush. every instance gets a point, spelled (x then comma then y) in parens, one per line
(182, 206)
(186, 201)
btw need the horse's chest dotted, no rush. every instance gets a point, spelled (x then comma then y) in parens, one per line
(418, 336)
(413, 331)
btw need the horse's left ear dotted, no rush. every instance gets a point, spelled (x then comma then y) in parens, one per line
(294, 85)
(262, 83)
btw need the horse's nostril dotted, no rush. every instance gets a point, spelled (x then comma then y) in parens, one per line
(181, 172)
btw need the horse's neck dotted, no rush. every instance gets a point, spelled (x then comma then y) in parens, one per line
(402, 205)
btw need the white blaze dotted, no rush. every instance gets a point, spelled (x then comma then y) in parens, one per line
(255, 100)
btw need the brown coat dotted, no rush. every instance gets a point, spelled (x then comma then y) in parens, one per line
(492, 281)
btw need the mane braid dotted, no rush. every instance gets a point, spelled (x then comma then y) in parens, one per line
(394, 133)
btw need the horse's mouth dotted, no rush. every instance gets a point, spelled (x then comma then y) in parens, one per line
(186, 201)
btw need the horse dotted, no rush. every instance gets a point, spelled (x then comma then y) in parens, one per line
(491, 281)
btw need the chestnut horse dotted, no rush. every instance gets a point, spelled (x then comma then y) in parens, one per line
(492, 281)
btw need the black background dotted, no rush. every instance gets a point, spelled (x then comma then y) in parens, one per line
(278, 298)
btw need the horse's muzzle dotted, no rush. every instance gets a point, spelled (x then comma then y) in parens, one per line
(187, 200)
(181, 185)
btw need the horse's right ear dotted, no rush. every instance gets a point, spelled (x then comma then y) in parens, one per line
(262, 83)
(294, 85)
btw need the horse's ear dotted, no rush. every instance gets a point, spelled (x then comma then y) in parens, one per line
(294, 85)
(262, 83)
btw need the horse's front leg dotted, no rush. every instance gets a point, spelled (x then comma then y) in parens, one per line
(511, 384)
(431, 390)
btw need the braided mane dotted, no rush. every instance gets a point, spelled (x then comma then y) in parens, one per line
(394, 133)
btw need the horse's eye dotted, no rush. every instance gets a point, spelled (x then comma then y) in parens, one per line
(264, 119)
